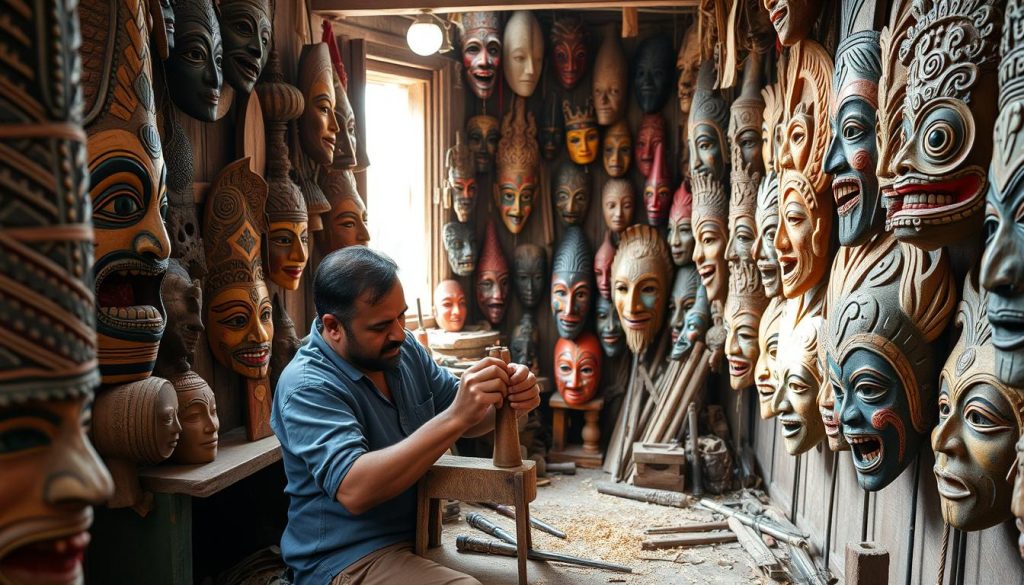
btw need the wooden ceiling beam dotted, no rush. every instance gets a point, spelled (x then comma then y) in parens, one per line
(382, 7)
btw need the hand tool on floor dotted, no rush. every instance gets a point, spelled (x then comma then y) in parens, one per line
(468, 543)
(758, 523)
(509, 512)
(648, 495)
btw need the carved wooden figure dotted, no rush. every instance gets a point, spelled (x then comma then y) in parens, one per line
(492, 278)
(640, 284)
(941, 170)
(197, 415)
(518, 161)
(460, 245)
(193, 70)
(47, 308)
(569, 50)
(581, 136)
(657, 192)
(530, 266)
(610, 88)
(318, 124)
(980, 420)
(346, 223)
(450, 306)
(461, 178)
(571, 192)
(617, 204)
(127, 188)
(483, 133)
(572, 283)
(603, 266)
(522, 53)
(617, 149)
(688, 64)
(578, 368)
(609, 328)
(247, 30)
(481, 51)
(711, 234)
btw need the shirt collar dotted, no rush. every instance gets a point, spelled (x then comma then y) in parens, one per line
(318, 341)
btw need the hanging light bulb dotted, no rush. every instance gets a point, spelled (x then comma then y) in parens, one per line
(424, 35)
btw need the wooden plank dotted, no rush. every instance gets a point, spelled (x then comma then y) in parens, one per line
(683, 528)
(755, 547)
(236, 460)
(379, 7)
(690, 539)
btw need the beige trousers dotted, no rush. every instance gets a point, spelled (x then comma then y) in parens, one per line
(397, 564)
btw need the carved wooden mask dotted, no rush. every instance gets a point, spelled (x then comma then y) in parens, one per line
(951, 55)
(578, 368)
(683, 297)
(711, 235)
(530, 265)
(572, 283)
(492, 278)
(318, 124)
(483, 135)
(460, 245)
(571, 191)
(581, 136)
(518, 161)
(793, 19)
(980, 419)
(247, 30)
(197, 414)
(799, 377)
(609, 328)
(617, 149)
(680, 228)
(688, 64)
(152, 406)
(746, 119)
(648, 137)
(127, 188)
(193, 69)
(885, 312)
(603, 266)
(609, 89)
(706, 127)
(1002, 266)
(522, 53)
(695, 326)
(652, 73)
(640, 284)
(238, 310)
(47, 308)
(766, 374)
(657, 192)
(347, 219)
(525, 339)
(569, 51)
(892, 90)
(617, 204)
(450, 306)
(461, 178)
(481, 51)
(183, 304)
(552, 129)
(767, 221)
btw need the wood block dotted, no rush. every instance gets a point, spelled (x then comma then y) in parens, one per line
(257, 420)
(659, 453)
(576, 454)
(660, 477)
(866, 563)
(466, 339)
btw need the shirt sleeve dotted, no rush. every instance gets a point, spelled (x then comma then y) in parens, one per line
(443, 384)
(324, 432)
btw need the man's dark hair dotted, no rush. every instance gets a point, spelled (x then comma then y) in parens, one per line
(345, 275)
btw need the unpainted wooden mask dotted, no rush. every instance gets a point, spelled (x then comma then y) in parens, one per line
(347, 220)
(197, 415)
(609, 89)
(799, 377)
(706, 128)
(522, 53)
(617, 204)
(572, 283)
(688, 64)
(578, 368)
(711, 234)
(793, 19)
(766, 219)
(481, 51)
(640, 284)
(318, 125)
(766, 374)
(747, 300)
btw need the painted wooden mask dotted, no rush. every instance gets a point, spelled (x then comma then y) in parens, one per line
(650, 135)
(892, 90)
(688, 64)
(711, 234)
(792, 19)
(194, 76)
(481, 51)
(483, 135)
(347, 219)
(657, 192)
(766, 375)
(461, 178)
(603, 266)
(746, 119)
(609, 328)
(569, 51)
(578, 368)
(805, 84)
(571, 193)
(767, 222)
(617, 149)
(523, 53)
(706, 127)
(939, 193)
(640, 284)
(683, 297)
(525, 339)
(197, 414)
(799, 377)
(680, 228)
(238, 310)
(695, 326)
(530, 264)
(884, 315)
(581, 136)
(653, 73)
(518, 161)
(803, 234)
(552, 129)
(980, 419)
(287, 233)
(51, 475)
(617, 204)
(450, 306)
(572, 283)
(492, 278)
(609, 84)
(460, 245)
(853, 155)
(247, 30)
(1002, 266)
(318, 125)
(183, 305)
(127, 189)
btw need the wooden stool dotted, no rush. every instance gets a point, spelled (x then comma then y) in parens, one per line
(659, 465)
(475, 479)
(587, 455)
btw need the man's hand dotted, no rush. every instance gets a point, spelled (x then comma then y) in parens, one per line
(523, 393)
(482, 386)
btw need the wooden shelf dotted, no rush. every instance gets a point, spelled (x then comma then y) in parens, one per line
(236, 460)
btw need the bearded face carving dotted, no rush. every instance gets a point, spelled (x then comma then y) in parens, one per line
(938, 195)
(518, 161)
(609, 89)
(617, 202)
(460, 246)
(572, 283)
(569, 51)
(530, 265)
(609, 328)
(492, 278)
(640, 284)
(483, 135)
(523, 53)
(481, 51)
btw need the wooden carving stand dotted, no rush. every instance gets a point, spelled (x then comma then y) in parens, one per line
(257, 404)
(506, 480)
(589, 454)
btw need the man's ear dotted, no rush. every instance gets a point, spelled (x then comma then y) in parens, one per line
(333, 330)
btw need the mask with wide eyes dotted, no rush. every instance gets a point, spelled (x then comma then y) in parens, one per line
(942, 137)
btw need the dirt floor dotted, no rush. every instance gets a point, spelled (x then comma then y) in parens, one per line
(599, 527)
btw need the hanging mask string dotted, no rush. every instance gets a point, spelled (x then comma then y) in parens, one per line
(942, 553)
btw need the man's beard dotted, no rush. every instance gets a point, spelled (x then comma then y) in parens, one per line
(376, 363)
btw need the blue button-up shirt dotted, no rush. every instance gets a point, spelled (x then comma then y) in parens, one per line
(326, 414)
